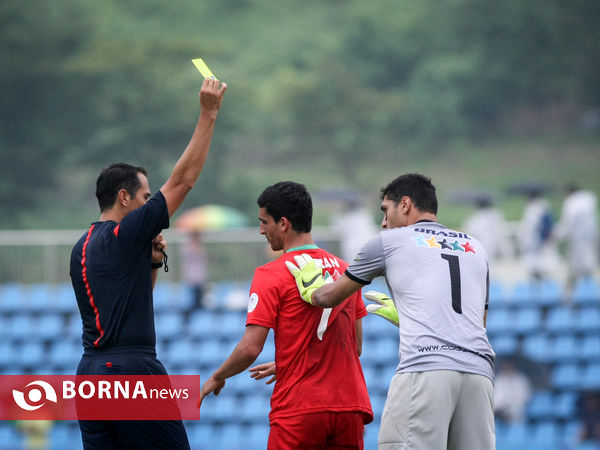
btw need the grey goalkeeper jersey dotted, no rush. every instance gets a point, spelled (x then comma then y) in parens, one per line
(439, 280)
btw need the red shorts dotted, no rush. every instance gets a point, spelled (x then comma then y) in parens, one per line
(323, 430)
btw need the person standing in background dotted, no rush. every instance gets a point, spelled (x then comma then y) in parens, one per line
(535, 237)
(578, 228)
(195, 267)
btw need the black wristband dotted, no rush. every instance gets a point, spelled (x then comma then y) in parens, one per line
(157, 265)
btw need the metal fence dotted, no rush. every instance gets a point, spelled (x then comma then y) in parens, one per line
(42, 256)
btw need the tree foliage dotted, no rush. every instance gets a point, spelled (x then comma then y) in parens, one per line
(333, 84)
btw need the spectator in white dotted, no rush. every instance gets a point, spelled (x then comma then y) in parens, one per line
(194, 266)
(488, 225)
(535, 231)
(354, 226)
(512, 391)
(578, 228)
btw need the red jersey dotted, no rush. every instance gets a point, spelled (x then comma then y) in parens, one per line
(313, 374)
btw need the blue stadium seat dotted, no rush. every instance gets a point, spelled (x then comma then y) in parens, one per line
(500, 321)
(537, 347)
(586, 290)
(74, 327)
(377, 404)
(561, 319)
(590, 378)
(588, 319)
(380, 351)
(371, 433)
(566, 376)
(40, 297)
(64, 436)
(203, 324)
(243, 384)
(546, 435)
(545, 292)
(10, 438)
(21, 326)
(12, 298)
(172, 297)
(571, 432)
(375, 327)
(516, 434)
(169, 325)
(182, 352)
(50, 327)
(65, 301)
(254, 408)
(377, 378)
(27, 326)
(504, 344)
(528, 320)
(212, 353)
(590, 348)
(65, 354)
(541, 406)
(223, 408)
(29, 355)
(268, 351)
(232, 325)
(201, 434)
(4, 330)
(499, 293)
(565, 348)
(257, 435)
(233, 437)
(7, 349)
(564, 406)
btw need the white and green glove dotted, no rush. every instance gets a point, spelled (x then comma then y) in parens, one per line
(308, 275)
(384, 306)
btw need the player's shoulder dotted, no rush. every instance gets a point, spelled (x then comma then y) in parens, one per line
(275, 268)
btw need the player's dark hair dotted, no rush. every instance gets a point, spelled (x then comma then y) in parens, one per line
(415, 186)
(290, 200)
(115, 177)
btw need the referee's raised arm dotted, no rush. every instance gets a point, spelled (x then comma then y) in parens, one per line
(188, 167)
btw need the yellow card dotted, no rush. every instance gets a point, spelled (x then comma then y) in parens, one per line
(203, 68)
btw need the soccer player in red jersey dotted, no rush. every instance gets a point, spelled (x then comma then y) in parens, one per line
(320, 398)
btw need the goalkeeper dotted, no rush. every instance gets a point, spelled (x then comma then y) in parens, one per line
(441, 395)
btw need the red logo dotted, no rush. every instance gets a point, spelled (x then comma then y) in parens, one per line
(99, 397)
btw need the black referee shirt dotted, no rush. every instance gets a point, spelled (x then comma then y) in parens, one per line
(111, 276)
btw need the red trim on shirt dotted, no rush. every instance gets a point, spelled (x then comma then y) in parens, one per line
(87, 286)
(116, 230)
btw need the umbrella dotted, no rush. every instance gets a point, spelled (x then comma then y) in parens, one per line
(210, 217)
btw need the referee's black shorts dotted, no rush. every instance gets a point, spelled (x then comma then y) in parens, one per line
(128, 434)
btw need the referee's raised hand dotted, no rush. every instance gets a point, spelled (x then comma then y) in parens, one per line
(211, 95)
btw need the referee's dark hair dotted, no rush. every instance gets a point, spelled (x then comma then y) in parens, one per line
(415, 186)
(290, 200)
(115, 177)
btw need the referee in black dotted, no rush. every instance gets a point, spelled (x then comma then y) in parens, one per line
(113, 270)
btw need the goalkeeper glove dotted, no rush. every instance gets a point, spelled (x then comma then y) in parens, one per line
(385, 306)
(308, 275)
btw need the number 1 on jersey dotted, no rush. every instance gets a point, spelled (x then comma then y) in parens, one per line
(454, 267)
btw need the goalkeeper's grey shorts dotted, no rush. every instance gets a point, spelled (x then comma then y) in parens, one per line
(440, 409)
